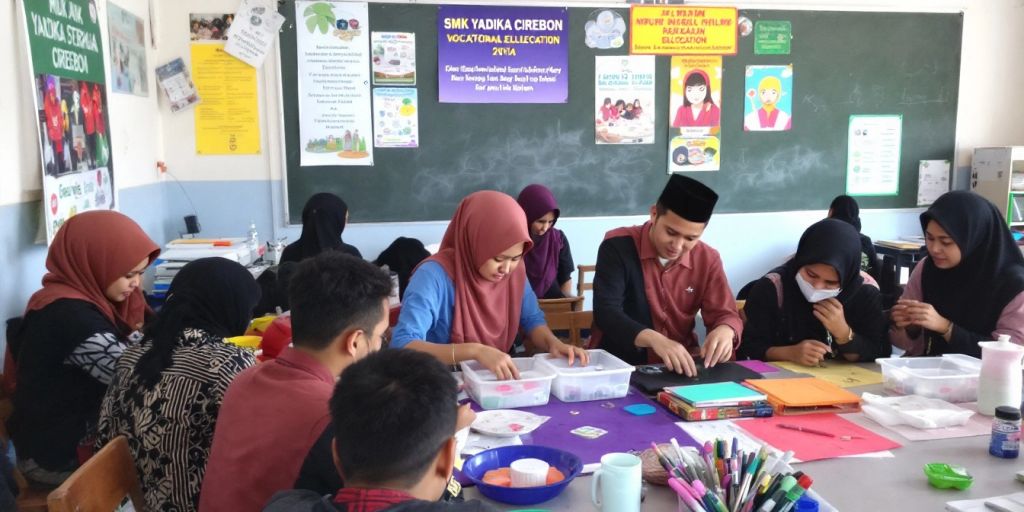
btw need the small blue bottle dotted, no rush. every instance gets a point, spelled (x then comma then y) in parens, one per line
(1005, 442)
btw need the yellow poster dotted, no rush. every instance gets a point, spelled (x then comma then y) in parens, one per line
(846, 375)
(227, 116)
(682, 30)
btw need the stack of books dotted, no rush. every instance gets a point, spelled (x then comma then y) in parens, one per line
(718, 401)
(181, 251)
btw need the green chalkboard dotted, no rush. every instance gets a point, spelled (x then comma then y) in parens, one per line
(844, 63)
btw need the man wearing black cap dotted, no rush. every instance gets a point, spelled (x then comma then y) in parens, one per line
(651, 281)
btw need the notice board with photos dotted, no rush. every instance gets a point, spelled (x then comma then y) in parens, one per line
(845, 63)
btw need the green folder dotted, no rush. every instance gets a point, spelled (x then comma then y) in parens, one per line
(717, 394)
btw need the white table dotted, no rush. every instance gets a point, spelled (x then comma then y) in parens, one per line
(855, 484)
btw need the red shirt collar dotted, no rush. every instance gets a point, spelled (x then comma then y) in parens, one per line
(369, 500)
(303, 361)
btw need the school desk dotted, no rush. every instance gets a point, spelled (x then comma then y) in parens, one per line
(854, 484)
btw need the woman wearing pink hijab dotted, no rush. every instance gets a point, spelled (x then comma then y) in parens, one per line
(469, 300)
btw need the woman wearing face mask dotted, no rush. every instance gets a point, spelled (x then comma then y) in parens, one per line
(817, 304)
(468, 301)
(970, 287)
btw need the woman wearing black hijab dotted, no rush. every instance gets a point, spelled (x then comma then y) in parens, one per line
(167, 390)
(817, 304)
(323, 220)
(970, 288)
(846, 209)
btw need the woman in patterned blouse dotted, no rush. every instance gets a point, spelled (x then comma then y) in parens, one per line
(167, 391)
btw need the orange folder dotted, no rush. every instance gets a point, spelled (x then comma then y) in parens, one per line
(806, 395)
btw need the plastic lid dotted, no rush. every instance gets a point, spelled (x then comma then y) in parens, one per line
(805, 504)
(1006, 412)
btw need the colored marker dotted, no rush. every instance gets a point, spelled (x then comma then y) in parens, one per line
(680, 488)
(710, 497)
(784, 487)
(789, 499)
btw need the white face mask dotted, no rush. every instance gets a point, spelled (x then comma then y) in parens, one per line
(811, 293)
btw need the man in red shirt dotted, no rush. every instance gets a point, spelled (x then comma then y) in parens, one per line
(651, 281)
(273, 432)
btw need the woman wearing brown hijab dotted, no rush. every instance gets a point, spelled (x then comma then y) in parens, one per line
(74, 329)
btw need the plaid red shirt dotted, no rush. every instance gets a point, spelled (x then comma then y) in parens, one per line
(369, 500)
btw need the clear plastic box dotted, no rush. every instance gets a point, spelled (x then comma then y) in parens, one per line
(952, 377)
(532, 388)
(605, 377)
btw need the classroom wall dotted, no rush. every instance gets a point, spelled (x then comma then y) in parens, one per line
(229, 192)
(137, 140)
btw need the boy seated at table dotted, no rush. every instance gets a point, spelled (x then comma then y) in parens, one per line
(395, 414)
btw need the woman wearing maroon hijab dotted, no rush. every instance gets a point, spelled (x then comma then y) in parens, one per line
(472, 295)
(549, 264)
(74, 329)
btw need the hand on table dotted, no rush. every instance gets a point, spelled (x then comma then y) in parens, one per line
(671, 352)
(808, 352)
(717, 346)
(570, 352)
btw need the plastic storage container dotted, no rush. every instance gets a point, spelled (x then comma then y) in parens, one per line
(605, 377)
(532, 388)
(952, 377)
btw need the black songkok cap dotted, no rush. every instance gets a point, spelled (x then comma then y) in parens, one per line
(688, 198)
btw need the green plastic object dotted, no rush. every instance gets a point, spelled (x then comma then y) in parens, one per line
(945, 476)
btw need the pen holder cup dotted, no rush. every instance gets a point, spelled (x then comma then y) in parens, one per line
(650, 469)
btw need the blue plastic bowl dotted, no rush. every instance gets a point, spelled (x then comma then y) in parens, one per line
(503, 457)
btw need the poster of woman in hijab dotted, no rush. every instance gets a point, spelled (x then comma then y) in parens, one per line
(769, 98)
(696, 95)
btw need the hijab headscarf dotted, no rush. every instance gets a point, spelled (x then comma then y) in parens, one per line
(846, 209)
(216, 295)
(542, 261)
(485, 224)
(91, 251)
(323, 221)
(831, 242)
(402, 257)
(991, 270)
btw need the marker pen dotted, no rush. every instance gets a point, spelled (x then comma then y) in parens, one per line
(787, 502)
(679, 487)
(777, 495)
(710, 497)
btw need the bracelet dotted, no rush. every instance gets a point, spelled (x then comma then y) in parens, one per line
(454, 362)
(850, 338)
(949, 330)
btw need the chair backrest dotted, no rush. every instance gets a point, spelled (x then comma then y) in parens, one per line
(739, 308)
(102, 483)
(582, 284)
(549, 306)
(572, 321)
(30, 498)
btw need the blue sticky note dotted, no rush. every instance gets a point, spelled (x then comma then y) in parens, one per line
(639, 409)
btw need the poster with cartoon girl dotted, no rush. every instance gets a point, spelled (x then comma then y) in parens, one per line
(769, 98)
(695, 99)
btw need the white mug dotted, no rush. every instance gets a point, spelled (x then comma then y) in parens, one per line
(615, 486)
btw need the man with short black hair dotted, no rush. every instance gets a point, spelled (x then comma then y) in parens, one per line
(651, 281)
(395, 415)
(273, 429)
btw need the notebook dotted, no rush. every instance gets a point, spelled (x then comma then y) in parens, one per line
(717, 394)
(652, 378)
(806, 395)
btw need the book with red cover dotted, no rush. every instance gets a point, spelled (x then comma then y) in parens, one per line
(687, 412)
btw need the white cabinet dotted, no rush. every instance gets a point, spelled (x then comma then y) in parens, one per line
(992, 175)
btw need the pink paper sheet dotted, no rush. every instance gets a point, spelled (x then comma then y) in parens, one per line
(808, 446)
(758, 366)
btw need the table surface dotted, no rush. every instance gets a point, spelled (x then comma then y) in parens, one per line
(874, 484)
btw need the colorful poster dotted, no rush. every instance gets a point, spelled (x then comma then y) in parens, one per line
(624, 90)
(177, 85)
(395, 117)
(772, 37)
(333, 54)
(227, 121)
(694, 153)
(769, 103)
(127, 52)
(932, 181)
(604, 29)
(502, 54)
(394, 58)
(682, 30)
(695, 95)
(873, 155)
(209, 27)
(254, 32)
(66, 60)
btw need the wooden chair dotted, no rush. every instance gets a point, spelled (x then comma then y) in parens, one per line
(549, 306)
(582, 284)
(31, 498)
(739, 308)
(102, 483)
(572, 321)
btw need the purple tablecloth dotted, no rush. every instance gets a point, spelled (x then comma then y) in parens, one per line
(625, 431)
